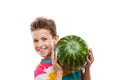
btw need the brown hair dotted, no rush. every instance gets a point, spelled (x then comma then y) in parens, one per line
(44, 23)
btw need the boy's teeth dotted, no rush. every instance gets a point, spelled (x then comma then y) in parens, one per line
(41, 50)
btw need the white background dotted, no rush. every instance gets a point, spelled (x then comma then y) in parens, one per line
(96, 21)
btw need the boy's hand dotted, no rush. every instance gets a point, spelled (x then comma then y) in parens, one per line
(57, 66)
(55, 63)
(90, 59)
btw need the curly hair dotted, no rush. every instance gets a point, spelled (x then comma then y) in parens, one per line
(44, 23)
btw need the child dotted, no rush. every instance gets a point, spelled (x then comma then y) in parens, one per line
(45, 38)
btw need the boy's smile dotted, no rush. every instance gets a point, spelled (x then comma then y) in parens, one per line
(43, 42)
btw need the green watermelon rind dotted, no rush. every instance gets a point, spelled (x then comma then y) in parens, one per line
(78, 56)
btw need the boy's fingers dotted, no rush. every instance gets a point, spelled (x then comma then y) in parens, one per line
(90, 51)
(52, 55)
(91, 58)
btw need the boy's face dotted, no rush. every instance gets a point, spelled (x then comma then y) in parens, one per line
(44, 42)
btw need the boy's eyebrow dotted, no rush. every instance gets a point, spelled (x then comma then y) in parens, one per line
(44, 36)
(34, 39)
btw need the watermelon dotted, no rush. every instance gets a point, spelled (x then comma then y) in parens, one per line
(72, 52)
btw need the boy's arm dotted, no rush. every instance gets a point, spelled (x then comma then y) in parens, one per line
(59, 75)
(58, 68)
(79, 79)
(86, 74)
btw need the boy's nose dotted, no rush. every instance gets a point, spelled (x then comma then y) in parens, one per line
(40, 44)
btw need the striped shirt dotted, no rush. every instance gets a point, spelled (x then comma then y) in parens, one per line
(46, 71)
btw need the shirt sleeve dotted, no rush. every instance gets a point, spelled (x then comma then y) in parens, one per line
(73, 76)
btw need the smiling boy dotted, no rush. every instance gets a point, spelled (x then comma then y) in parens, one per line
(45, 38)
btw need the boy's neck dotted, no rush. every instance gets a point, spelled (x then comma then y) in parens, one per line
(47, 57)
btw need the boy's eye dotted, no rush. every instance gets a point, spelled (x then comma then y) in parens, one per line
(44, 38)
(35, 40)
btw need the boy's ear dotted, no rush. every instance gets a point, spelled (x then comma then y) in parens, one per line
(56, 39)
